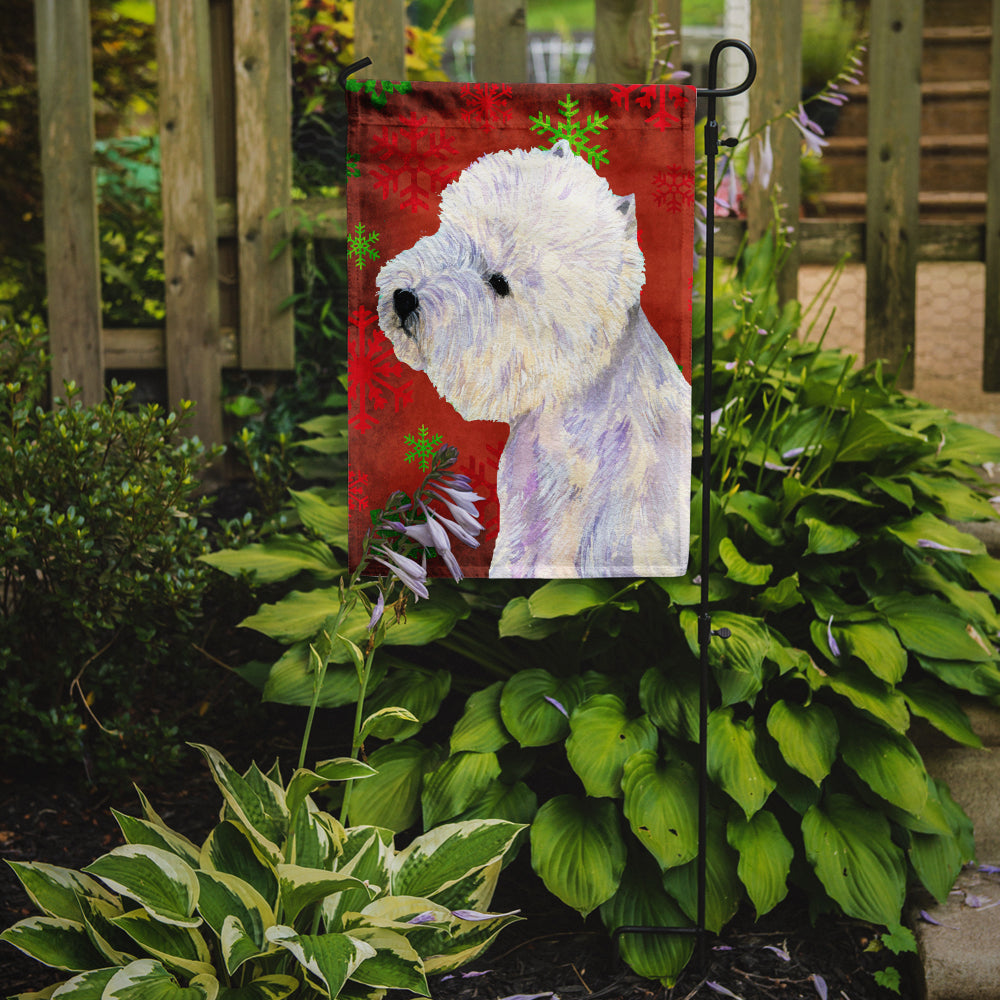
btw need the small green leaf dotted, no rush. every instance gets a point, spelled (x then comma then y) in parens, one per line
(559, 598)
(481, 727)
(329, 522)
(807, 736)
(765, 858)
(279, 558)
(936, 704)
(180, 948)
(391, 798)
(301, 887)
(732, 760)
(535, 706)
(456, 784)
(828, 539)
(517, 620)
(670, 698)
(739, 569)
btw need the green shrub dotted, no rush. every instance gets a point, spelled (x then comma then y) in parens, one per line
(279, 900)
(99, 541)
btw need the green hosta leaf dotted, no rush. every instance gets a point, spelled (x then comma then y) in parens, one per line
(758, 511)
(828, 539)
(180, 948)
(226, 898)
(516, 803)
(159, 881)
(957, 501)
(54, 941)
(578, 851)
(438, 859)
(456, 784)
(481, 728)
(141, 831)
(275, 987)
(866, 692)
(391, 798)
(230, 849)
(765, 858)
(304, 782)
(751, 574)
(387, 723)
(888, 763)
(641, 901)
(56, 891)
(850, 847)
(941, 709)
(530, 706)
(661, 798)
(965, 443)
(976, 678)
(893, 488)
(723, 889)
(684, 592)
(976, 605)
(416, 689)
(986, 571)
(558, 598)
(301, 887)
(292, 680)
(931, 628)
(937, 859)
(732, 760)
(783, 595)
(260, 809)
(928, 528)
(807, 736)
(876, 646)
(147, 979)
(330, 959)
(517, 620)
(395, 964)
(279, 558)
(602, 738)
(738, 661)
(670, 698)
(869, 436)
(325, 519)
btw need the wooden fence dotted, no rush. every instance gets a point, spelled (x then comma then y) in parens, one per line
(226, 161)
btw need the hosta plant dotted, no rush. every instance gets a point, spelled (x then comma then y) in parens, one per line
(279, 900)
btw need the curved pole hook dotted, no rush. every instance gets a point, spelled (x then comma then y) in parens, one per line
(712, 90)
(349, 70)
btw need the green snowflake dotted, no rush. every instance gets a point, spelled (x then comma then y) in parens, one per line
(378, 91)
(362, 245)
(576, 133)
(353, 166)
(423, 447)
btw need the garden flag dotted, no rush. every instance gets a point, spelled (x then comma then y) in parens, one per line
(520, 275)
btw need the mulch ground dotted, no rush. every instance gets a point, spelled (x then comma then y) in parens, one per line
(551, 952)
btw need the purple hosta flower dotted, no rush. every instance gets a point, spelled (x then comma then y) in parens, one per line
(727, 198)
(927, 543)
(465, 975)
(811, 132)
(531, 996)
(989, 869)
(377, 611)
(927, 918)
(780, 952)
(820, 983)
(760, 166)
(410, 572)
(475, 915)
(719, 988)
(427, 917)
(559, 705)
(462, 510)
(441, 542)
(834, 648)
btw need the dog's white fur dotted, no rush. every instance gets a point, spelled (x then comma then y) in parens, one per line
(524, 307)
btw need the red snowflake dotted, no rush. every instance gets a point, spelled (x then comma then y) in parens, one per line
(648, 95)
(357, 489)
(486, 103)
(373, 373)
(673, 188)
(485, 484)
(413, 161)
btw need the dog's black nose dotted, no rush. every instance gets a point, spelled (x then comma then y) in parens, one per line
(405, 303)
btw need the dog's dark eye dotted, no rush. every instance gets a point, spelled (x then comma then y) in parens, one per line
(499, 284)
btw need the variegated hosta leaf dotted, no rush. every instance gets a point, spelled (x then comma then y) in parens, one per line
(86, 986)
(765, 858)
(807, 736)
(304, 782)
(481, 727)
(602, 737)
(225, 897)
(329, 959)
(274, 987)
(230, 849)
(300, 887)
(850, 847)
(54, 941)
(116, 946)
(141, 831)
(256, 801)
(315, 838)
(642, 902)
(732, 760)
(456, 784)
(661, 799)
(395, 964)
(158, 880)
(578, 851)
(367, 853)
(441, 857)
(56, 891)
(475, 891)
(177, 947)
(147, 979)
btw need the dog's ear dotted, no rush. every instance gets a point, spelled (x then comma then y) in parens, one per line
(562, 148)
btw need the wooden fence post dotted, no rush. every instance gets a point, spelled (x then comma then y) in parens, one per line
(776, 35)
(262, 61)
(380, 34)
(621, 40)
(190, 252)
(501, 41)
(892, 214)
(72, 255)
(991, 332)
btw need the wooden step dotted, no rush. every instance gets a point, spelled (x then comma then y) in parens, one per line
(947, 105)
(956, 53)
(958, 206)
(940, 13)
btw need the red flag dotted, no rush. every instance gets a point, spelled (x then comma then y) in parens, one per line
(520, 273)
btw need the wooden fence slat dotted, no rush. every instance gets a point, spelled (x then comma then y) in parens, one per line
(621, 40)
(892, 215)
(262, 61)
(72, 256)
(501, 41)
(190, 253)
(991, 331)
(776, 36)
(380, 34)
